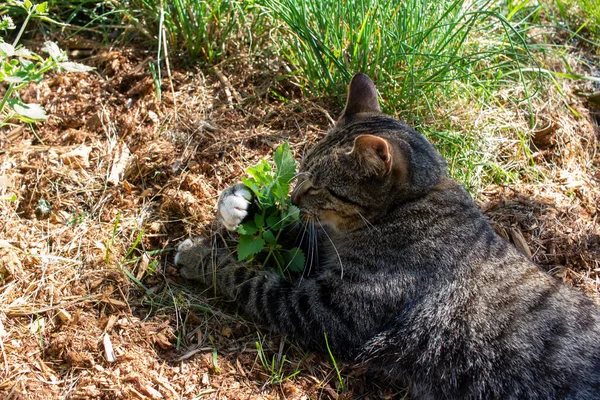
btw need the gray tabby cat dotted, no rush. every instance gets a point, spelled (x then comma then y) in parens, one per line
(412, 280)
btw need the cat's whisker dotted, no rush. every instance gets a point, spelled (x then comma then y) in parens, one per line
(297, 187)
(303, 231)
(301, 173)
(367, 223)
(310, 227)
(316, 246)
(312, 243)
(295, 254)
(334, 248)
(283, 219)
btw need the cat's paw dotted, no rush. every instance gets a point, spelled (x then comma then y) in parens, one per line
(193, 258)
(233, 205)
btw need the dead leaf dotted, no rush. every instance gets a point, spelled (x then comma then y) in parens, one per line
(78, 158)
(520, 242)
(121, 159)
(142, 266)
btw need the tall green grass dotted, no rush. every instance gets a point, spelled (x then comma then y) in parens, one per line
(426, 57)
(578, 15)
(413, 49)
(198, 29)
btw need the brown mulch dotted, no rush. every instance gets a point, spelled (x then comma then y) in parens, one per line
(116, 179)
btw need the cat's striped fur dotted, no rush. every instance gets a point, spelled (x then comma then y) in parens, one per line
(411, 278)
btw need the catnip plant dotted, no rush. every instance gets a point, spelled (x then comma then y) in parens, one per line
(270, 183)
(20, 66)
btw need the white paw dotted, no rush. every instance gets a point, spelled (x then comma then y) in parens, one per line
(186, 244)
(233, 206)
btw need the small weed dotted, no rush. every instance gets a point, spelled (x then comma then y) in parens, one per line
(20, 66)
(337, 370)
(103, 19)
(270, 184)
(273, 367)
(77, 219)
(9, 197)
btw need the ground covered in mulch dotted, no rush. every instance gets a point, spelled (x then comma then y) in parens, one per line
(94, 201)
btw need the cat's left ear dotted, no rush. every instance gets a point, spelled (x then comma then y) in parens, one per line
(374, 154)
(362, 97)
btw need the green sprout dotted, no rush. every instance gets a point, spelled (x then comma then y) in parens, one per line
(270, 183)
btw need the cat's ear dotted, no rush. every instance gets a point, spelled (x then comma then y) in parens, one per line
(373, 153)
(362, 97)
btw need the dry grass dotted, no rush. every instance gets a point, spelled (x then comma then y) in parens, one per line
(118, 167)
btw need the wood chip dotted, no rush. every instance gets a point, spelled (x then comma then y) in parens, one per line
(191, 353)
(149, 391)
(142, 267)
(229, 89)
(115, 302)
(108, 349)
(121, 159)
(64, 315)
(112, 320)
(520, 242)
(78, 158)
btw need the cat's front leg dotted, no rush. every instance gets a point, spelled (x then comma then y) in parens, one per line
(195, 259)
(305, 310)
(234, 205)
(201, 260)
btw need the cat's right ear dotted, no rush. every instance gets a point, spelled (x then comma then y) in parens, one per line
(373, 154)
(362, 97)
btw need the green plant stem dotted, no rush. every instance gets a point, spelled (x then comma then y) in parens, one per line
(7, 95)
(271, 250)
(29, 14)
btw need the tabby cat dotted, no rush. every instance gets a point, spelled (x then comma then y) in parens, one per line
(410, 278)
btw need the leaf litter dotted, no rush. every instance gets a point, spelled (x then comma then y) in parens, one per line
(90, 303)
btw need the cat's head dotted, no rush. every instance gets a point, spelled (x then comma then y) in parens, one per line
(366, 165)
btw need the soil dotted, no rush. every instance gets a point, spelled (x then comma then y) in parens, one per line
(115, 179)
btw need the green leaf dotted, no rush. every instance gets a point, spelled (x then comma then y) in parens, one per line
(261, 172)
(286, 169)
(280, 261)
(269, 237)
(273, 221)
(9, 197)
(250, 183)
(294, 259)
(54, 51)
(74, 67)
(247, 228)
(41, 8)
(259, 220)
(6, 50)
(249, 246)
(292, 214)
(29, 112)
(270, 184)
